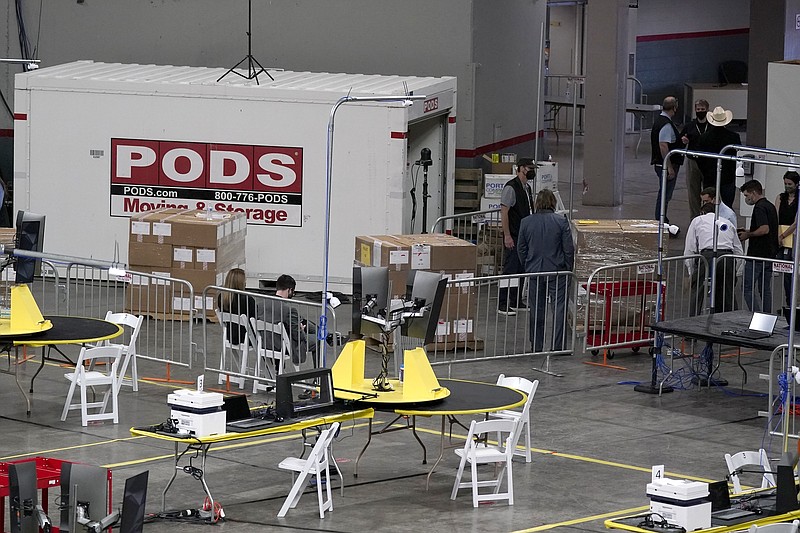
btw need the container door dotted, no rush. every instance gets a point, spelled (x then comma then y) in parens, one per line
(430, 134)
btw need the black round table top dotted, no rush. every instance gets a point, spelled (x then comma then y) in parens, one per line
(72, 330)
(466, 398)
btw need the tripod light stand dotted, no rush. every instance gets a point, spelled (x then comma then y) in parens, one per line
(252, 62)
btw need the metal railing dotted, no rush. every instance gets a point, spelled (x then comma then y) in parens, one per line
(231, 347)
(482, 228)
(618, 302)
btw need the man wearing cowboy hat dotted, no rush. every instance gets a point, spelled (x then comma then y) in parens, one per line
(717, 137)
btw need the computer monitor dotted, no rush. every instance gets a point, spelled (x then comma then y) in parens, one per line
(290, 402)
(427, 295)
(133, 504)
(83, 485)
(30, 237)
(370, 298)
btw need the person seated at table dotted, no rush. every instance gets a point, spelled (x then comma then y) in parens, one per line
(700, 240)
(298, 329)
(236, 303)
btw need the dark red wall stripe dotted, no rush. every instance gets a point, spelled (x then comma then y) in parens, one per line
(691, 35)
(499, 145)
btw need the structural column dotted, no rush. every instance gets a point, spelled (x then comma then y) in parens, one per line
(605, 95)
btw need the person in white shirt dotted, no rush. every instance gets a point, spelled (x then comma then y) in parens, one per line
(709, 196)
(700, 240)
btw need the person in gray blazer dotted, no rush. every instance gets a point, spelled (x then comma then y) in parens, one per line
(545, 245)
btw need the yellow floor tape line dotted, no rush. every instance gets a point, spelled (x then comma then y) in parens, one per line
(65, 448)
(544, 527)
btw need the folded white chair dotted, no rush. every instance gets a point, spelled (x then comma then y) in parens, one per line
(230, 352)
(780, 527)
(477, 451)
(260, 330)
(84, 378)
(134, 324)
(315, 464)
(756, 460)
(524, 415)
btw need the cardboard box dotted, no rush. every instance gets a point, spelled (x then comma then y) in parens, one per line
(382, 251)
(193, 228)
(150, 254)
(199, 279)
(148, 295)
(153, 226)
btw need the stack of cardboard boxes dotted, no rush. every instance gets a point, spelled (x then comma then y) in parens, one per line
(190, 245)
(453, 257)
(600, 243)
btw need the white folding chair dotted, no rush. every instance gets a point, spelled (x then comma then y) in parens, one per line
(477, 451)
(260, 331)
(528, 387)
(317, 464)
(230, 352)
(780, 527)
(134, 324)
(84, 378)
(744, 459)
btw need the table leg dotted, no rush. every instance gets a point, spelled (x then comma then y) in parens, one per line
(438, 459)
(364, 449)
(19, 385)
(416, 436)
(41, 366)
(203, 453)
(169, 483)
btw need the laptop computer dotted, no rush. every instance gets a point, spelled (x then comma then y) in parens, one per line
(761, 327)
(304, 394)
(238, 417)
(721, 503)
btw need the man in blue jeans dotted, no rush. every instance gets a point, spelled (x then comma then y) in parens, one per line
(664, 137)
(763, 237)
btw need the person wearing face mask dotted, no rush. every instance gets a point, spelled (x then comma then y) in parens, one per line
(717, 137)
(690, 136)
(763, 237)
(516, 202)
(786, 202)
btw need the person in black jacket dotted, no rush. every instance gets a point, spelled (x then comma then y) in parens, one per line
(664, 137)
(714, 140)
(690, 135)
(515, 204)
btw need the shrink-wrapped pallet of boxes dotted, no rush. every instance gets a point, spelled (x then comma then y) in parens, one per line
(603, 243)
(191, 245)
(452, 257)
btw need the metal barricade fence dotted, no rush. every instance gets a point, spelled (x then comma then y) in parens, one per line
(786, 385)
(471, 329)
(239, 349)
(482, 228)
(168, 305)
(618, 302)
(753, 283)
(47, 289)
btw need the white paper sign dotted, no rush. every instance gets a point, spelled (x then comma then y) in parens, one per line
(183, 255)
(206, 256)
(398, 257)
(420, 256)
(376, 253)
(182, 304)
(658, 473)
(140, 228)
(162, 229)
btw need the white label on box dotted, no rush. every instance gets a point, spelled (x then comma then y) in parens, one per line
(162, 229)
(462, 325)
(398, 257)
(228, 229)
(376, 253)
(182, 304)
(220, 231)
(420, 256)
(159, 281)
(139, 280)
(198, 303)
(442, 328)
(509, 282)
(206, 256)
(464, 276)
(140, 228)
(182, 255)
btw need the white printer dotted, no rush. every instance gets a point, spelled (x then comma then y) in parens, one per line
(681, 502)
(197, 412)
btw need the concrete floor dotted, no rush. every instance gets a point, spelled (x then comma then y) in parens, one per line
(594, 438)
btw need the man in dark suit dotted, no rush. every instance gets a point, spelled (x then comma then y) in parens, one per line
(545, 245)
